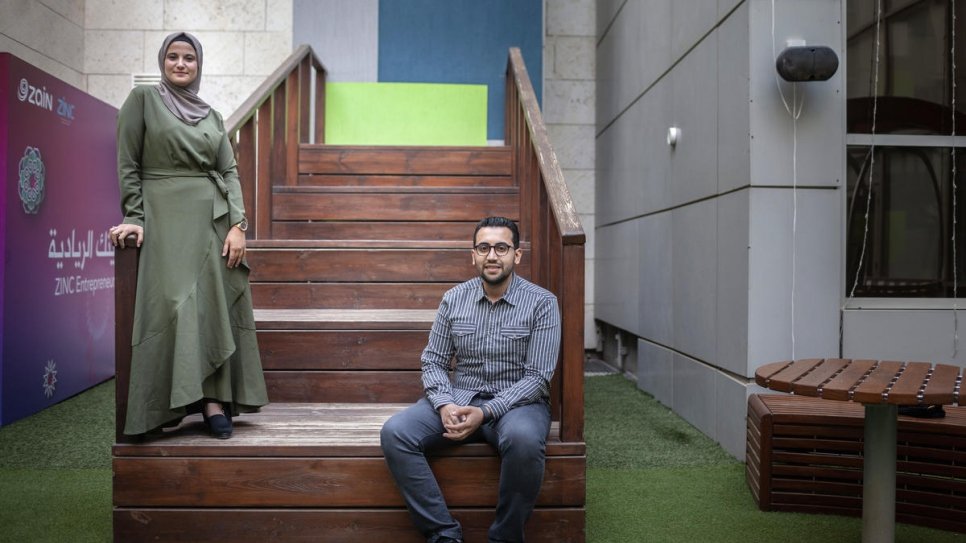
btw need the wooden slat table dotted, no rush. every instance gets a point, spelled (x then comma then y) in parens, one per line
(881, 386)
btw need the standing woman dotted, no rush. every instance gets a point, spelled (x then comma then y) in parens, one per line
(194, 346)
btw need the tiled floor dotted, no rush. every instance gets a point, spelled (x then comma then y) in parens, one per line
(596, 366)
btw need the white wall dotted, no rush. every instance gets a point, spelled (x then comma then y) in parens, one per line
(695, 242)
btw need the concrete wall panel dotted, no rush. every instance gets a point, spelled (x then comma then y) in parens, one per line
(614, 293)
(633, 54)
(816, 279)
(731, 408)
(656, 303)
(655, 371)
(731, 310)
(694, 394)
(818, 132)
(694, 239)
(694, 160)
(691, 20)
(734, 137)
(927, 335)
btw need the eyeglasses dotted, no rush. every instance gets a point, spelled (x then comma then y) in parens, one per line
(483, 249)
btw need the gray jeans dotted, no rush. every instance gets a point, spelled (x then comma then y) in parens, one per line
(521, 438)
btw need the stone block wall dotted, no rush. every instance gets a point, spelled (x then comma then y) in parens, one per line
(98, 45)
(243, 40)
(48, 34)
(569, 58)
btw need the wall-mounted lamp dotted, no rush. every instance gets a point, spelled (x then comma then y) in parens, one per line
(673, 135)
(807, 63)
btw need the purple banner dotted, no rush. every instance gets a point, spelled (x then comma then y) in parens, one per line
(58, 152)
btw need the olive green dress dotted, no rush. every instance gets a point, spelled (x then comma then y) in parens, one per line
(194, 332)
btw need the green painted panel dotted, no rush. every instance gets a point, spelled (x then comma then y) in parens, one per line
(405, 114)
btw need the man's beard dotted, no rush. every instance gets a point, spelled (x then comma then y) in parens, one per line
(499, 280)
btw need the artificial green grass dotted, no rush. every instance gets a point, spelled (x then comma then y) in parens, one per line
(55, 471)
(55, 505)
(76, 433)
(651, 477)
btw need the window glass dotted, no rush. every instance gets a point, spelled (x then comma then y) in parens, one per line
(915, 65)
(908, 247)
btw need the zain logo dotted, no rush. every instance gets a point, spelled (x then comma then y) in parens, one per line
(50, 378)
(34, 95)
(23, 90)
(31, 180)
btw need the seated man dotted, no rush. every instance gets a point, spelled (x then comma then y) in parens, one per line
(505, 334)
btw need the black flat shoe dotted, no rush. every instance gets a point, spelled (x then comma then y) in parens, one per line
(219, 425)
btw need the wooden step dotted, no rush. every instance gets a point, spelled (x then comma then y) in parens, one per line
(133, 525)
(456, 231)
(337, 355)
(340, 180)
(354, 265)
(301, 295)
(344, 319)
(344, 386)
(315, 350)
(400, 204)
(404, 160)
(297, 430)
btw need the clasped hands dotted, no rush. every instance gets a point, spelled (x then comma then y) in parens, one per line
(460, 421)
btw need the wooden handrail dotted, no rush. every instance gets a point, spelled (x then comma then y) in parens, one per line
(564, 211)
(268, 128)
(264, 91)
(549, 220)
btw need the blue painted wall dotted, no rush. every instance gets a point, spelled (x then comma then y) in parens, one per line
(461, 41)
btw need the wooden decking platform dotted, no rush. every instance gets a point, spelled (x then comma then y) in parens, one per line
(311, 468)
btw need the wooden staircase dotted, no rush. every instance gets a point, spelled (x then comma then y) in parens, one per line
(351, 249)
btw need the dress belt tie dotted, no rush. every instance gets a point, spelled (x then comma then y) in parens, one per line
(220, 206)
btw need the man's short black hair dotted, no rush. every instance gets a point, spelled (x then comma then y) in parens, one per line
(499, 222)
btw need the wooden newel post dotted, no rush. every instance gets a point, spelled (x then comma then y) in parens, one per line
(125, 287)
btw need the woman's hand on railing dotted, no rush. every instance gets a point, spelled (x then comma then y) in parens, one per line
(122, 234)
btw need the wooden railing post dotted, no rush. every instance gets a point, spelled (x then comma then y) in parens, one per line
(263, 179)
(572, 342)
(247, 161)
(291, 129)
(305, 106)
(125, 287)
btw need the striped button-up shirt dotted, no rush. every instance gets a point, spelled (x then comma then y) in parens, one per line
(506, 352)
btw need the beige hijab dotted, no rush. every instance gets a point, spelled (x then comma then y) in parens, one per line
(184, 102)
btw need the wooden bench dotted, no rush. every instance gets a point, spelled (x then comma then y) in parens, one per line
(805, 455)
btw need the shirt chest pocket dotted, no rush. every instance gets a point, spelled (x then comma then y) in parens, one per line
(464, 336)
(515, 333)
